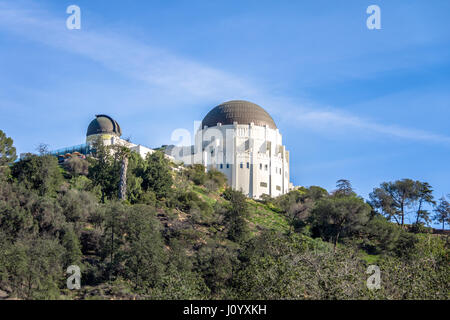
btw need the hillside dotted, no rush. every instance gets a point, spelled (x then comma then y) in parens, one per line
(180, 233)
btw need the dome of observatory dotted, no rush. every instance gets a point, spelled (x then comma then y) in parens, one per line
(242, 112)
(104, 124)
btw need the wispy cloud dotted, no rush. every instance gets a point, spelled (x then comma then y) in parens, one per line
(155, 66)
(183, 79)
(340, 121)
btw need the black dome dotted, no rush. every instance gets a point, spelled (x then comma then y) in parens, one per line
(104, 124)
(242, 112)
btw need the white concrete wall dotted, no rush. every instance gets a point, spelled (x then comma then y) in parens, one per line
(252, 157)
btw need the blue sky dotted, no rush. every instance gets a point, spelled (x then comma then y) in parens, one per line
(365, 105)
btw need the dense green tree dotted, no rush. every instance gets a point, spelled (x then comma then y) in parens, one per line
(7, 150)
(381, 235)
(135, 172)
(157, 176)
(196, 173)
(33, 268)
(78, 207)
(235, 217)
(334, 217)
(442, 212)
(7, 156)
(39, 173)
(112, 237)
(15, 216)
(104, 170)
(142, 251)
(216, 263)
(71, 244)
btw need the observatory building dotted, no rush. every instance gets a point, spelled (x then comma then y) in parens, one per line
(107, 129)
(241, 140)
(237, 138)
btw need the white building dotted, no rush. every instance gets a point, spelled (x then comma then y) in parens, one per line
(109, 131)
(240, 139)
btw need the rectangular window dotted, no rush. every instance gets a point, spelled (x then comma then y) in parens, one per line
(263, 184)
(278, 188)
(266, 167)
(260, 166)
(242, 165)
(228, 166)
(221, 166)
(248, 165)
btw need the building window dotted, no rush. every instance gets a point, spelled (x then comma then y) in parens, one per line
(263, 184)
(248, 165)
(266, 167)
(221, 166)
(228, 166)
(260, 166)
(242, 165)
(278, 188)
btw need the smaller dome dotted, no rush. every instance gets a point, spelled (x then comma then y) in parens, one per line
(104, 124)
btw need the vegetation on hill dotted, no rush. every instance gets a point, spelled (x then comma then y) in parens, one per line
(150, 229)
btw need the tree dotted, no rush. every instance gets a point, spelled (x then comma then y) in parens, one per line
(337, 216)
(442, 212)
(34, 268)
(76, 167)
(104, 170)
(143, 252)
(7, 150)
(113, 236)
(235, 216)
(392, 198)
(215, 179)
(43, 149)
(344, 188)
(135, 172)
(71, 243)
(125, 154)
(40, 173)
(157, 176)
(424, 195)
(197, 174)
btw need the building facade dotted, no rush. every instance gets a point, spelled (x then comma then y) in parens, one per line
(241, 140)
(109, 131)
(238, 138)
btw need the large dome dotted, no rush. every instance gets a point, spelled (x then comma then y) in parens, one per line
(104, 124)
(242, 112)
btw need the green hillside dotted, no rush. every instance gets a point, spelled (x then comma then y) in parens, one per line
(175, 232)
